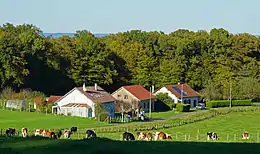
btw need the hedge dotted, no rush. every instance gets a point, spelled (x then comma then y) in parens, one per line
(183, 107)
(226, 103)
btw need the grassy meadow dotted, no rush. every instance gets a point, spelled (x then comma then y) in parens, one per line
(32, 120)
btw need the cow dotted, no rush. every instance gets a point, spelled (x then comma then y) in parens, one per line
(39, 132)
(24, 132)
(128, 136)
(168, 136)
(245, 135)
(90, 134)
(59, 134)
(159, 136)
(212, 136)
(67, 133)
(144, 136)
(51, 134)
(74, 129)
(10, 132)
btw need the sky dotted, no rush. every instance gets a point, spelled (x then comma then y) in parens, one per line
(111, 16)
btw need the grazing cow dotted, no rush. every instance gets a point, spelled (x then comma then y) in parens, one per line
(40, 132)
(168, 136)
(67, 133)
(212, 136)
(144, 136)
(159, 136)
(128, 136)
(10, 132)
(59, 134)
(90, 134)
(245, 135)
(51, 134)
(74, 129)
(24, 132)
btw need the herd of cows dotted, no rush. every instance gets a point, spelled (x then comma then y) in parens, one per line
(127, 136)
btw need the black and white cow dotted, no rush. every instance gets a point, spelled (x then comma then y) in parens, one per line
(74, 129)
(10, 132)
(212, 136)
(90, 134)
(128, 136)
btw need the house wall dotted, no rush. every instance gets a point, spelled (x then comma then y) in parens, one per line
(120, 96)
(176, 100)
(145, 105)
(75, 111)
(170, 94)
(75, 96)
(111, 108)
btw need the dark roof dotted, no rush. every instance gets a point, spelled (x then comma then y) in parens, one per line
(99, 95)
(53, 99)
(76, 105)
(185, 90)
(139, 92)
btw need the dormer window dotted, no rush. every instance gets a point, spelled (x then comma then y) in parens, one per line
(126, 97)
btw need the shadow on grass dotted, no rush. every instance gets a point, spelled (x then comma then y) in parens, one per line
(107, 146)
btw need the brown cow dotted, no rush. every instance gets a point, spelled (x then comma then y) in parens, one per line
(159, 136)
(144, 136)
(24, 132)
(245, 135)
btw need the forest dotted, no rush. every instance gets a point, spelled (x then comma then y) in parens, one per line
(210, 62)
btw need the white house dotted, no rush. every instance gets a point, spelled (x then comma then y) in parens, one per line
(181, 93)
(80, 101)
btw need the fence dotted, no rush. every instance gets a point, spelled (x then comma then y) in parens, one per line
(177, 136)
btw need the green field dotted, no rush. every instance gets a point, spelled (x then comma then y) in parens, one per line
(34, 120)
(228, 128)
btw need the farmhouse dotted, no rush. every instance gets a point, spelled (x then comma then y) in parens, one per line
(181, 93)
(52, 99)
(135, 94)
(80, 101)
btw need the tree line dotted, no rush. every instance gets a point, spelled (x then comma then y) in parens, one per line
(210, 62)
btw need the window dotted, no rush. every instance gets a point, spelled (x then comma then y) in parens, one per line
(118, 96)
(126, 97)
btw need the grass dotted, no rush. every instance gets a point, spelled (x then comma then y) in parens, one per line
(34, 120)
(106, 146)
(229, 128)
(166, 114)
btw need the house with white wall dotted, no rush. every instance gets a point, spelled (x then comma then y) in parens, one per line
(80, 101)
(135, 95)
(181, 93)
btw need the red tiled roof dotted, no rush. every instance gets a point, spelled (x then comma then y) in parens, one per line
(53, 99)
(139, 92)
(186, 90)
(99, 95)
(76, 105)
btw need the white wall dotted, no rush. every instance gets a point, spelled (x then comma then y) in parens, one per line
(165, 90)
(75, 96)
(79, 111)
(175, 99)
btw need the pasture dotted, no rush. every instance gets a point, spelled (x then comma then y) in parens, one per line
(228, 127)
(34, 120)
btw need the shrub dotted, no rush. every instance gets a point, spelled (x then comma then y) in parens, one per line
(103, 116)
(226, 103)
(183, 107)
(164, 98)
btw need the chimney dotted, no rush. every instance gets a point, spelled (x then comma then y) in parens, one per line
(95, 86)
(84, 87)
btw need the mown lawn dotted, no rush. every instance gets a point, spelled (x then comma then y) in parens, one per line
(38, 120)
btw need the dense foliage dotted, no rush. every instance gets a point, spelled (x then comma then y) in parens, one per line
(208, 62)
(183, 107)
(226, 103)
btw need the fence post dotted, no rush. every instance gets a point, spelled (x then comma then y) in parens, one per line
(235, 138)
(176, 136)
(78, 135)
(185, 137)
(189, 138)
(1, 132)
(257, 136)
(227, 137)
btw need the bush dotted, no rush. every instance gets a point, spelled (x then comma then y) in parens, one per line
(183, 107)
(225, 103)
(103, 116)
